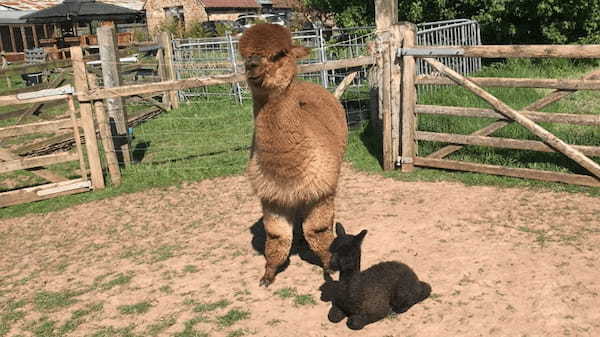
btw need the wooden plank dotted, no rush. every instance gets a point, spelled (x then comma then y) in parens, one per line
(150, 88)
(24, 38)
(409, 100)
(51, 126)
(12, 41)
(43, 192)
(575, 179)
(536, 116)
(503, 82)
(537, 105)
(55, 83)
(520, 51)
(38, 171)
(25, 163)
(15, 100)
(87, 119)
(106, 135)
(506, 143)
(35, 68)
(77, 137)
(537, 130)
(167, 47)
(162, 72)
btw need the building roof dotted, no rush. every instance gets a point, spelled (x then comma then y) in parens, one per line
(230, 3)
(82, 11)
(24, 5)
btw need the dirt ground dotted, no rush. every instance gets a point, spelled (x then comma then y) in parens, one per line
(186, 261)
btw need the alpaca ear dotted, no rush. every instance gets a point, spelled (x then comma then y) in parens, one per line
(339, 229)
(358, 238)
(299, 52)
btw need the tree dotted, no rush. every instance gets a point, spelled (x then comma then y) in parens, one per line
(502, 21)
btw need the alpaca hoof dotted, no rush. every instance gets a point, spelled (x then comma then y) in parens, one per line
(265, 282)
(355, 323)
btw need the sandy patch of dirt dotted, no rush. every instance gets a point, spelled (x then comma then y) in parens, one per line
(501, 262)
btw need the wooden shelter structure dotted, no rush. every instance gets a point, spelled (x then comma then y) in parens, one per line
(16, 34)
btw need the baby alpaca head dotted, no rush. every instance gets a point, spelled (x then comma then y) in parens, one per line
(270, 57)
(345, 249)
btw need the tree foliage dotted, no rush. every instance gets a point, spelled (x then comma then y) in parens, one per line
(502, 21)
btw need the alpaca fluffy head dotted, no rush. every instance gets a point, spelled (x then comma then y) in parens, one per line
(345, 249)
(270, 57)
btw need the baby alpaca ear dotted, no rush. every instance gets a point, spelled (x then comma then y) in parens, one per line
(359, 238)
(339, 229)
(299, 51)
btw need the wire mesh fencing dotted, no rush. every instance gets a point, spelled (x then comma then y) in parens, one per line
(217, 56)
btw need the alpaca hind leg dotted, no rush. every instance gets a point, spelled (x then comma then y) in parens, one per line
(278, 227)
(318, 228)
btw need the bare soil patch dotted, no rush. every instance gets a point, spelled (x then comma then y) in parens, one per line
(186, 261)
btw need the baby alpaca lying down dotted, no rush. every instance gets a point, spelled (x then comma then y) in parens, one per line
(368, 296)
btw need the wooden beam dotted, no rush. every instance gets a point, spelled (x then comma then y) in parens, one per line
(15, 100)
(38, 171)
(386, 14)
(12, 41)
(409, 100)
(51, 126)
(502, 82)
(575, 179)
(506, 143)
(150, 88)
(77, 137)
(385, 97)
(36, 42)
(117, 115)
(520, 51)
(24, 38)
(106, 135)
(87, 119)
(33, 68)
(25, 163)
(43, 192)
(167, 47)
(346, 82)
(536, 116)
(537, 105)
(546, 136)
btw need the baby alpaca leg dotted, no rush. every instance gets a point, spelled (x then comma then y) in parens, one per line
(278, 227)
(336, 314)
(318, 228)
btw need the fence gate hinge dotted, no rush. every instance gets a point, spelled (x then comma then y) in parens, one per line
(403, 160)
(67, 89)
(430, 51)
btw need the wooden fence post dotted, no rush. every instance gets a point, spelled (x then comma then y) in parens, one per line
(408, 33)
(87, 118)
(162, 72)
(107, 40)
(386, 13)
(167, 47)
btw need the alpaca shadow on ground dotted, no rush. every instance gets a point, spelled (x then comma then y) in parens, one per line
(299, 245)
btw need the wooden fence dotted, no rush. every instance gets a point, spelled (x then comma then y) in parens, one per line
(400, 110)
(394, 58)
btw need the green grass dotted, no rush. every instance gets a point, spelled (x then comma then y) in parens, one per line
(120, 279)
(232, 316)
(48, 301)
(205, 307)
(135, 309)
(207, 140)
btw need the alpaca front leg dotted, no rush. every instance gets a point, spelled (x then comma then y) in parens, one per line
(318, 228)
(336, 314)
(278, 227)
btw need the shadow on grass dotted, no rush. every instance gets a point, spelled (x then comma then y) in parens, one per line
(373, 142)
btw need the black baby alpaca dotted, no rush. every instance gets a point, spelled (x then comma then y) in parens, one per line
(368, 296)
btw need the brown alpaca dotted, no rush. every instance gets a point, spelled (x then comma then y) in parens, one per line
(299, 141)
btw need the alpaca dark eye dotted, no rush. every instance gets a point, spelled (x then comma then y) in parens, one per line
(277, 56)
